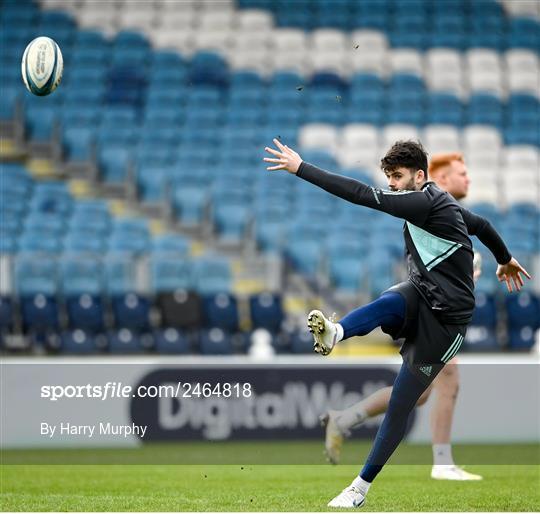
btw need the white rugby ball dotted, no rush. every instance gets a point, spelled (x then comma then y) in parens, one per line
(42, 66)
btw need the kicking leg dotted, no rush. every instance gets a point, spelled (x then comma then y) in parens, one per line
(405, 394)
(388, 311)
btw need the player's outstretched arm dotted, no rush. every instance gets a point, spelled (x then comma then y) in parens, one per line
(412, 206)
(284, 159)
(511, 273)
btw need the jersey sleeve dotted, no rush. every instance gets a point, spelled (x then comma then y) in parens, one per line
(489, 237)
(413, 206)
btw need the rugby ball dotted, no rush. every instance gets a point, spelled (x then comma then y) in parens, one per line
(42, 66)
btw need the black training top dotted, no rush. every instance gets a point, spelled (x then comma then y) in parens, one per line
(436, 231)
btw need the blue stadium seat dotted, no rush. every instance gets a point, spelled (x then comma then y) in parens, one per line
(131, 311)
(82, 286)
(523, 310)
(524, 33)
(485, 109)
(444, 108)
(7, 314)
(124, 341)
(114, 160)
(78, 143)
(171, 341)
(481, 333)
(212, 275)
(208, 68)
(189, 203)
(78, 342)
(221, 311)
(266, 311)
(37, 286)
(10, 100)
(215, 341)
(168, 273)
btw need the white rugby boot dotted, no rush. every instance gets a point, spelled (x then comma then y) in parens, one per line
(350, 497)
(452, 472)
(324, 332)
(334, 436)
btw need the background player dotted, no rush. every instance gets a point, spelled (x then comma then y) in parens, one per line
(449, 172)
(432, 309)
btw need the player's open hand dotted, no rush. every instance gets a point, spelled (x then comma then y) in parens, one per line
(284, 159)
(511, 273)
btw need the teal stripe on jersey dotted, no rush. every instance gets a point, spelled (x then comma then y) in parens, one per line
(454, 353)
(432, 249)
(449, 351)
(453, 346)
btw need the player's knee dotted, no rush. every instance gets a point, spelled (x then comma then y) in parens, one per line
(448, 381)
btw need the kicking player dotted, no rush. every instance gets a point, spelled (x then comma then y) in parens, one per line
(449, 172)
(432, 309)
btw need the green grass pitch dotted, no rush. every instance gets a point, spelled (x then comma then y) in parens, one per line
(257, 487)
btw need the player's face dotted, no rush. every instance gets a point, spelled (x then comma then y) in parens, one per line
(402, 179)
(457, 180)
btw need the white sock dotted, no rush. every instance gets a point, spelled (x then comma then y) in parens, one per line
(351, 417)
(442, 455)
(361, 484)
(339, 329)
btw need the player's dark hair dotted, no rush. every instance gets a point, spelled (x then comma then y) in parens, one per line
(406, 154)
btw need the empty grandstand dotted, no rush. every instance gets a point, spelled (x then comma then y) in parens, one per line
(136, 214)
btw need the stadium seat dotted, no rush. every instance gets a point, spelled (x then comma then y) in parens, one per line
(266, 311)
(78, 342)
(171, 341)
(221, 311)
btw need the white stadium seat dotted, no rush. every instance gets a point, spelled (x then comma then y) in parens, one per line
(445, 59)
(327, 61)
(367, 62)
(397, 132)
(444, 71)
(481, 191)
(482, 59)
(521, 81)
(406, 61)
(215, 40)
(358, 158)
(318, 135)
(180, 20)
(220, 20)
(520, 190)
(104, 20)
(368, 51)
(182, 40)
(522, 157)
(371, 41)
(215, 5)
(250, 60)
(173, 6)
(522, 7)
(293, 40)
(141, 20)
(326, 40)
(481, 138)
(487, 81)
(251, 41)
(489, 160)
(441, 139)
(521, 60)
(359, 146)
(360, 135)
(254, 20)
(283, 60)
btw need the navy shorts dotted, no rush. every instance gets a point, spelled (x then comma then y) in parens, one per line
(428, 344)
